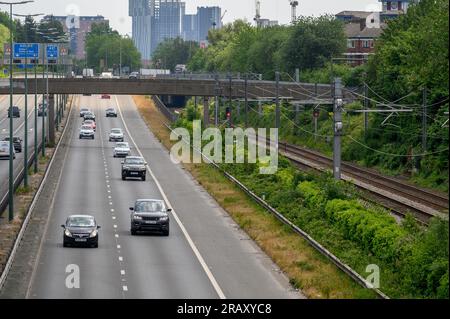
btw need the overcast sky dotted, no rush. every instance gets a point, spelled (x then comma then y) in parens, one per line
(117, 11)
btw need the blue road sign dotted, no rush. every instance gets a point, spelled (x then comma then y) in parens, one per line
(26, 50)
(52, 52)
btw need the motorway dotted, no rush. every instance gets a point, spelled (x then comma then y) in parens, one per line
(206, 256)
(19, 127)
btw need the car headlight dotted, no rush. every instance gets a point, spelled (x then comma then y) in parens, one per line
(94, 234)
(67, 233)
(137, 217)
(164, 219)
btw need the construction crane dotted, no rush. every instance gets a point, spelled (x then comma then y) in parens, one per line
(294, 5)
(258, 13)
(223, 15)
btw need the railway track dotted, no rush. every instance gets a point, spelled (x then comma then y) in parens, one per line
(400, 197)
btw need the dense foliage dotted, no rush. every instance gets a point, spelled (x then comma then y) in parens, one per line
(239, 47)
(172, 52)
(413, 260)
(104, 46)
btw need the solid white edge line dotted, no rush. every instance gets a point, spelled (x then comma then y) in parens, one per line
(177, 219)
(33, 204)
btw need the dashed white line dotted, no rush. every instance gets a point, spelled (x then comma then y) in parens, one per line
(122, 272)
(191, 243)
(125, 288)
(118, 246)
(117, 235)
(120, 258)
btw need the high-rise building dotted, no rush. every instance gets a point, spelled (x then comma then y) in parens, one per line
(208, 18)
(141, 13)
(167, 21)
(78, 28)
(190, 27)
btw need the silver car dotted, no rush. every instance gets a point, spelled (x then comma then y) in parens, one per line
(87, 131)
(122, 149)
(116, 135)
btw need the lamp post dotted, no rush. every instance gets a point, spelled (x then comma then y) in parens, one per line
(25, 178)
(11, 122)
(45, 75)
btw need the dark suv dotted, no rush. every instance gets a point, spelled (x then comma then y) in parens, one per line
(150, 215)
(15, 112)
(17, 142)
(135, 167)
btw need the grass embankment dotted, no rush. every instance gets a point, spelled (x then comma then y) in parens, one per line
(306, 268)
(23, 198)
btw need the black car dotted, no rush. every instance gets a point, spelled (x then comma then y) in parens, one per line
(17, 142)
(150, 215)
(89, 116)
(111, 112)
(81, 230)
(15, 112)
(134, 167)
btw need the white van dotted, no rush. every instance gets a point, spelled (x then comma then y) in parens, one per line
(4, 150)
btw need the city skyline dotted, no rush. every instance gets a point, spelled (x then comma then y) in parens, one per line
(236, 9)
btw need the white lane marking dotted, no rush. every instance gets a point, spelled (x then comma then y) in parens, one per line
(115, 226)
(114, 218)
(122, 272)
(120, 258)
(205, 267)
(125, 288)
(109, 191)
(118, 247)
(112, 210)
(117, 235)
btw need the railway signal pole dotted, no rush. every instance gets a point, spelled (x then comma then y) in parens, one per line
(338, 127)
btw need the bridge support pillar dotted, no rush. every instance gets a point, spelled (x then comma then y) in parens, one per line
(51, 120)
(206, 112)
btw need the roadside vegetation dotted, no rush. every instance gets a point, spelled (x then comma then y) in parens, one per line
(413, 260)
(411, 55)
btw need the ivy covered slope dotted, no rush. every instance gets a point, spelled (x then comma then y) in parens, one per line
(413, 260)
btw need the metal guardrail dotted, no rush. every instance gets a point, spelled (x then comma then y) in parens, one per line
(164, 109)
(322, 250)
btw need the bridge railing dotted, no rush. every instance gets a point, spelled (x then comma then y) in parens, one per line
(211, 76)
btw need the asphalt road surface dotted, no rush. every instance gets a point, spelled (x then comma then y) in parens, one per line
(206, 256)
(19, 131)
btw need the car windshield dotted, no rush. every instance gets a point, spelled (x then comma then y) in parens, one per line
(134, 161)
(116, 131)
(122, 145)
(150, 207)
(110, 110)
(86, 127)
(84, 110)
(80, 222)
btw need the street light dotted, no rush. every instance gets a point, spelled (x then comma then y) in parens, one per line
(44, 73)
(11, 122)
(25, 178)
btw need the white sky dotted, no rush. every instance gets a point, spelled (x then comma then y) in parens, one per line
(117, 11)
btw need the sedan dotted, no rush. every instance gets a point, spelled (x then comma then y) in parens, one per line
(111, 112)
(83, 111)
(150, 215)
(122, 150)
(17, 141)
(80, 230)
(89, 116)
(116, 135)
(87, 131)
(91, 123)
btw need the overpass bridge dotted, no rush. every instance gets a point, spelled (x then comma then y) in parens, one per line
(256, 90)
